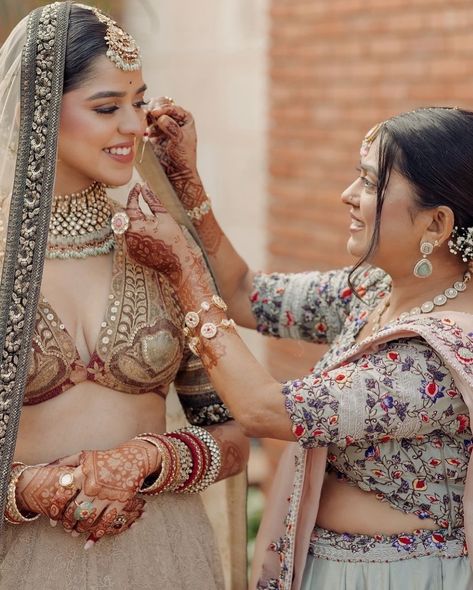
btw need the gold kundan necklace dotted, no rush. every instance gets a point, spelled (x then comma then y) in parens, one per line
(80, 224)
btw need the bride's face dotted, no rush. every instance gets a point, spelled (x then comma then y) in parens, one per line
(101, 121)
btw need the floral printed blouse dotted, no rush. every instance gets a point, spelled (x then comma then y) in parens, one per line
(393, 420)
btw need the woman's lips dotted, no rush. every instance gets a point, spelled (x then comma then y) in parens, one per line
(356, 224)
(122, 154)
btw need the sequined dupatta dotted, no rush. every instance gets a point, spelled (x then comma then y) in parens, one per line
(32, 64)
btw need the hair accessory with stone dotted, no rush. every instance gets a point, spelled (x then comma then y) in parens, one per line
(369, 138)
(461, 242)
(122, 50)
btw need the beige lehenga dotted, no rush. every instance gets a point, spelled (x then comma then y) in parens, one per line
(173, 546)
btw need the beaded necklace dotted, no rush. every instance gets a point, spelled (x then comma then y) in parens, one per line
(80, 224)
(428, 306)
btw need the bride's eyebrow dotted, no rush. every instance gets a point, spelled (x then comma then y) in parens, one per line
(114, 94)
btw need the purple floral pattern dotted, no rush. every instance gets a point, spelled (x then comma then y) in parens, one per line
(392, 420)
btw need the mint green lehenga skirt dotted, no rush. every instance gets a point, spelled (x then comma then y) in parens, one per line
(172, 548)
(424, 560)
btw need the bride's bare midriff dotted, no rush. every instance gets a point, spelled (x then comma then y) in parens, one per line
(87, 416)
(344, 508)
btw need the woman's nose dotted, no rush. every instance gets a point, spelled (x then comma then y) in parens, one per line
(350, 195)
(133, 122)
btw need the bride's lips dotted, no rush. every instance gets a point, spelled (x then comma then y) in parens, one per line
(121, 152)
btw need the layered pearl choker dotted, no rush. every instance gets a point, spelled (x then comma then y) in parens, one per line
(428, 306)
(80, 224)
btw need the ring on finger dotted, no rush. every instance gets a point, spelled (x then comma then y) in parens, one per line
(169, 99)
(83, 510)
(120, 223)
(66, 480)
(119, 521)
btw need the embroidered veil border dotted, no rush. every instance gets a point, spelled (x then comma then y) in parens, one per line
(32, 62)
(41, 82)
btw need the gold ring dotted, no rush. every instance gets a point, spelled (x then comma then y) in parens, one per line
(66, 480)
(169, 99)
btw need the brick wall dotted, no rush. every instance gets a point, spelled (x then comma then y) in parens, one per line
(336, 68)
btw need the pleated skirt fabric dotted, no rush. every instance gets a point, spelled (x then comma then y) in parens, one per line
(172, 548)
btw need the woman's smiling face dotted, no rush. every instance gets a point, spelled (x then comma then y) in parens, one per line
(401, 224)
(101, 121)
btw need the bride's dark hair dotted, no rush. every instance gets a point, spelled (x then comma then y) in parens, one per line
(85, 43)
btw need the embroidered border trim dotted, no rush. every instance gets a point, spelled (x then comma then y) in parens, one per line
(42, 74)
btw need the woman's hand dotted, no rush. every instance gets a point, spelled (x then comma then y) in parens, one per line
(38, 490)
(173, 136)
(159, 242)
(106, 484)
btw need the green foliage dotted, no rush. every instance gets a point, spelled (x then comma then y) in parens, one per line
(255, 503)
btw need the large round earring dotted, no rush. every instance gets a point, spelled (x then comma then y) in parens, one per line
(423, 267)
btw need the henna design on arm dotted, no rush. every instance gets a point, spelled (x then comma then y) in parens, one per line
(174, 144)
(38, 491)
(154, 253)
(234, 448)
(117, 474)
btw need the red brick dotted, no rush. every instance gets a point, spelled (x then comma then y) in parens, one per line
(336, 68)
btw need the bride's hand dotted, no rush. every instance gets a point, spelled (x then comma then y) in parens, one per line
(157, 241)
(106, 484)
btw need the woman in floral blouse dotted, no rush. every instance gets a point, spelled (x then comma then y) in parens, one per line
(374, 493)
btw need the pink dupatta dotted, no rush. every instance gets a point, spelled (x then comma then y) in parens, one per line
(284, 535)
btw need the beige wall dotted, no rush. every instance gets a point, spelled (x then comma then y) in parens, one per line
(210, 56)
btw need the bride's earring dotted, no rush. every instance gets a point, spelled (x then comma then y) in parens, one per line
(144, 141)
(423, 267)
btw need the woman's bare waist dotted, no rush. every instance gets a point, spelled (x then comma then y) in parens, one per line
(87, 416)
(347, 508)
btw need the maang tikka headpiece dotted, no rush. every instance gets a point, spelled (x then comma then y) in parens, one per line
(122, 50)
(369, 138)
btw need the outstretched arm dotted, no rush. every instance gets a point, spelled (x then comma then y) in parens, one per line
(173, 136)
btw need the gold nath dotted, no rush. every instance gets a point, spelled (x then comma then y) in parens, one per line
(123, 50)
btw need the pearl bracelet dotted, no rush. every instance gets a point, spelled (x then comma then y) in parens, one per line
(197, 213)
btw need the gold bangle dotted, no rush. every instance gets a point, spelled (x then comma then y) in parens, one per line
(170, 466)
(12, 512)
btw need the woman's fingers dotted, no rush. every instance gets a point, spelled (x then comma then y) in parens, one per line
(133, 203)
(81, 510)
(70, 461)
(115, 520)
(152, 200)
(169, 127)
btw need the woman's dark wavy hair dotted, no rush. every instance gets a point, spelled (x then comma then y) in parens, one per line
(85, 43)
(433, 149)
